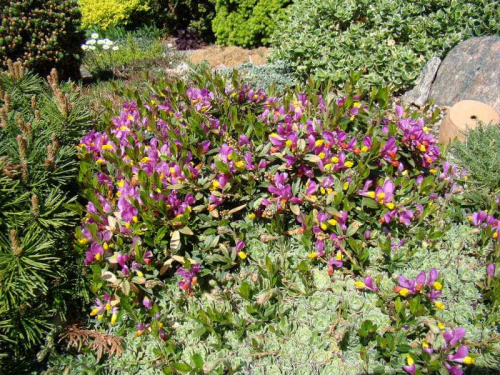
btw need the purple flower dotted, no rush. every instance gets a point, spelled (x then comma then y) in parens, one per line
(244, 140)
(341, 218)
(407, 284)
(205, 146)
(95, 253)
(389, 150)
(405, 217)
(225, 152)
(367, 143)
(433, 276)
(337, 261)
(490, 270)
(421, 278)
(399, 111)
(453, 370)
(369, 284)
(100, 306)
(410, 369)
(477, 218)
(240, 245)
(189, 278)
(434, 294)
(311, 187)
(452, 337)
(459, 355)
(280, 188)
(147, 303)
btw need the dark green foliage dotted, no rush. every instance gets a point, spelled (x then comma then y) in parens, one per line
(42, 33)
(247, 23)
(176, 15)
(39, 270)
(479, 154)
(388, 40)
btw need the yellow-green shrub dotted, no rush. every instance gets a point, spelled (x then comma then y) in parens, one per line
(106, 13)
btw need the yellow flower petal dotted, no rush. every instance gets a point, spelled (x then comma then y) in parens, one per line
(359, 284)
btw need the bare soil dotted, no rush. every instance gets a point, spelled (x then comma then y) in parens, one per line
(222, 57)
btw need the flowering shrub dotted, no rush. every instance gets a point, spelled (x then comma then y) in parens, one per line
(96, 44)
(104, 57)
(389, 40)
(217, 186)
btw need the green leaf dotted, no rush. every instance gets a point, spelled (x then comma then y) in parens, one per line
(198, 361)
(182, 367)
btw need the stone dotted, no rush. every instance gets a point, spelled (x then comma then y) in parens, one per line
(419, 94)
(470, 71)
(181, 71)
(85, 73)
(463, 115)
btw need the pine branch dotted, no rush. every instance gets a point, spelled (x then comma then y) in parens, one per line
(100, 343)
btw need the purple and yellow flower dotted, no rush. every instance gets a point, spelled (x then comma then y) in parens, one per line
(189, 278)
(410, 367)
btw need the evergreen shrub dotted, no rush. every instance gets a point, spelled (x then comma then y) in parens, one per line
(43, 34)
(108, 13)
(40, 276)
(247, 23)
(388, 40)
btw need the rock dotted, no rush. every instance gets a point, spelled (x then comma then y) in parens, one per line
(181, 71)
(419, 94)
(85, 73)
(463, 115)
(470, 71)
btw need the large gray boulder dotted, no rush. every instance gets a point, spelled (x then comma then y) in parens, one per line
(419, 94)
(470, 71)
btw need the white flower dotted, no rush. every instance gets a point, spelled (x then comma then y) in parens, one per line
(92, 48)
(105, 46)
(94, 36)
(91, 42)
(109, 42)
(85, 47)
(170, 45)
(101, 41)
(115, 48)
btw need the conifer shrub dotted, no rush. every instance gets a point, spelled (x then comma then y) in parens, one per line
(247, 23)
(39, 270)
(183, 17)
(108, 13)
(43, 34)
(223, 223)
(389, 40)
(479, 154)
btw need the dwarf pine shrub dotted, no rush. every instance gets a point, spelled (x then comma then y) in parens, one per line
(479, 154)
(39, 272)
(43, 34)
